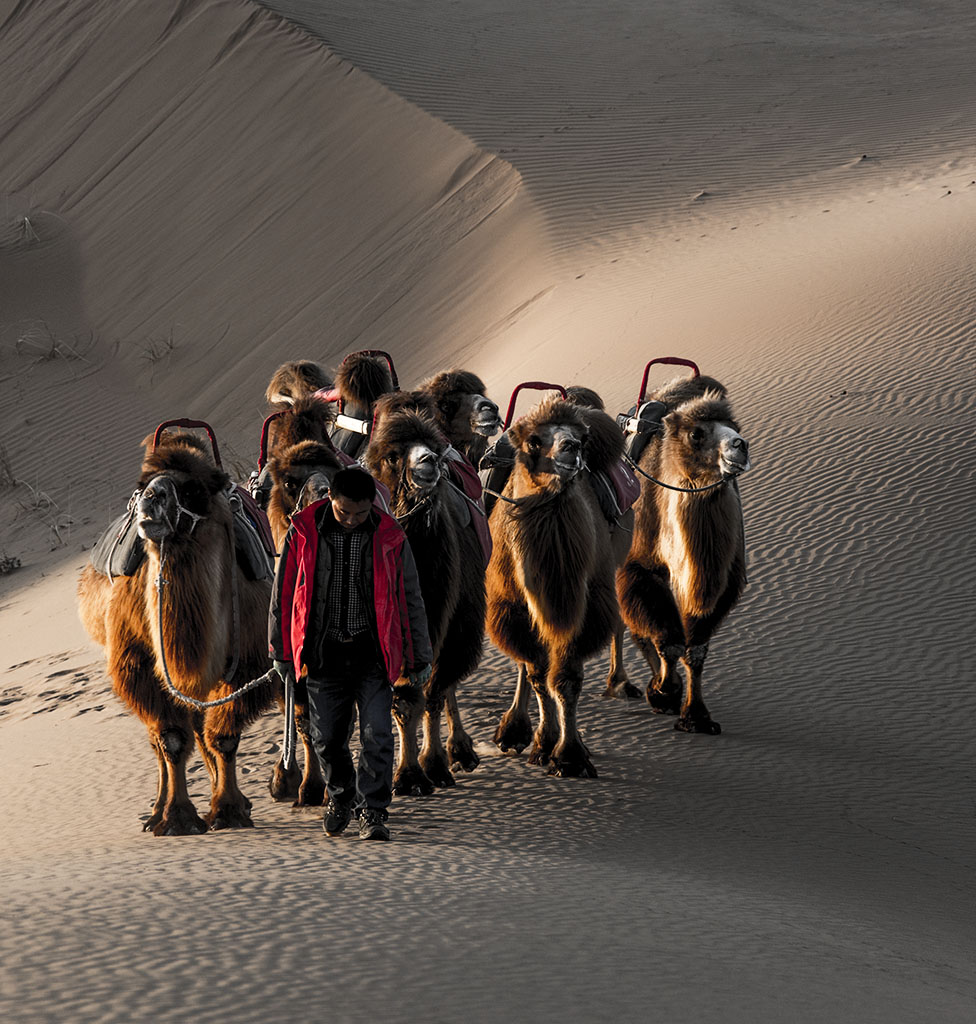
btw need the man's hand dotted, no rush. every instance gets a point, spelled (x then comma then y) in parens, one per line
(419, 675)
(285, 671)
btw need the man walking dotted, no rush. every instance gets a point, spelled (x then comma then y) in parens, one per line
(347, 606)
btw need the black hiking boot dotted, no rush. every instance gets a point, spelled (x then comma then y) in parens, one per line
(372, 824)
(336, 818)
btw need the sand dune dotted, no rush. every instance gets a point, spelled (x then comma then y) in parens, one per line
(194, 192)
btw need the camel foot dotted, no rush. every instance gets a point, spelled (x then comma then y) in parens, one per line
(623, 690)
(229, 816)
(514, 732)
(284, 785)
(437, 770)
(178, 821)
(461, 754)
(572, 761)
(705, 725)
(539, 755)
(663, 702)
(311, 793)
(412, 781)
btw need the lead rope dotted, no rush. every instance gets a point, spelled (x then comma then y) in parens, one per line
(671, 487)
(201, 705)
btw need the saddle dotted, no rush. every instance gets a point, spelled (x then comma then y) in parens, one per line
(120, 551)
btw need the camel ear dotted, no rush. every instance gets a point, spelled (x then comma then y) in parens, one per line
(672, 423)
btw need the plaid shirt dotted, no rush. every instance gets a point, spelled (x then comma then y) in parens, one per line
(346, 612)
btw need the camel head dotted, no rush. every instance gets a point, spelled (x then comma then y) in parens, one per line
(701, 441)
(301, 473)
(179, 487)
(406, 453)
(462, 410)
(550, 443)
(297, 379)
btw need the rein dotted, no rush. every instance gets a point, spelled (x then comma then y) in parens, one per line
(671, 487)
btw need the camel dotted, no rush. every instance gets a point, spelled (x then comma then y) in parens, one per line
(407, 453)
(466, 417)
(209, 638)
(619, 524)
(300, 456)
(550, 583)
(687, 564)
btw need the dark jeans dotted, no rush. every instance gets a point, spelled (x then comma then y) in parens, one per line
(353, 676)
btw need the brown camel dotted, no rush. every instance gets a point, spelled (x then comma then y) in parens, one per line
(466, 417)
(407, 453)
(551, 601)
(299, 455)
(212, 619)
(687, 564)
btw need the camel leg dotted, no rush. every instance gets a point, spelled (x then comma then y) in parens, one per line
(222, 728)
(311, 791)
(514, 731)
(409, 778)
(570, 758)
(433, 756)
(131, 666)
(618, 682)
(665, 689)
(694, 715)
(460, 749)
(178, 816)
(160, 802)
(547, 734)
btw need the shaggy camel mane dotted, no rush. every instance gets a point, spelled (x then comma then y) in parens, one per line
(303, 453)
(362, 379)
(404, 428)
(711, 407)
(447, 387)
(308, 419)
(182, 453)
(295, 380)
(404, 401)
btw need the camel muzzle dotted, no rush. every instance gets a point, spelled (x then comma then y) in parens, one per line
(734, 457)
(425, 471)
(486, 420)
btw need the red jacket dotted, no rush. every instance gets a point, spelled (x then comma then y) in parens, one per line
(397, 619)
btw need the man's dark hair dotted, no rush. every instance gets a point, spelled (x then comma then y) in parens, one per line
(354, 484)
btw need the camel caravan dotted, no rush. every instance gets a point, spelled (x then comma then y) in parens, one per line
(566, 531)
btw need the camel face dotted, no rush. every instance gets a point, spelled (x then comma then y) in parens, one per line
(423, 468)
(703, 449)
(301, 483)
(480, 414)
(554, 450)
(170, 505)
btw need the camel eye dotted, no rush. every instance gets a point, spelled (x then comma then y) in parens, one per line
(697, 435)
(534, 443)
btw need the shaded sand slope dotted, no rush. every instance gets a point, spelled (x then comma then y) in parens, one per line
(193, 192)
(814, 862)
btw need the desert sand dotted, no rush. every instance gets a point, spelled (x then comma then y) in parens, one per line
(193, 192)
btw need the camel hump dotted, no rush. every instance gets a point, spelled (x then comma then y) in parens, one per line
(605, 443)
(685, 389)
